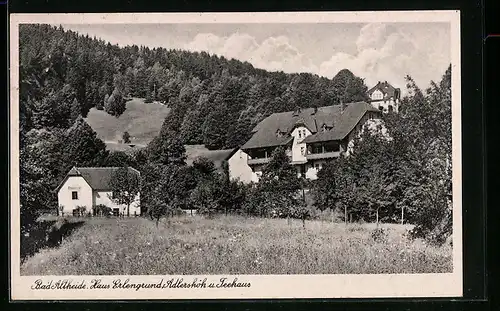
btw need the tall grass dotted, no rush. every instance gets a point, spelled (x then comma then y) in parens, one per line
(235, 245)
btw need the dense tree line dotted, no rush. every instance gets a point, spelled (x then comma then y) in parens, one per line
(405, 177)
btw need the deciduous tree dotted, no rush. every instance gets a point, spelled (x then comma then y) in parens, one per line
(125, 185)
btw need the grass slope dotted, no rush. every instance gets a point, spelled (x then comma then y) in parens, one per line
(234, 245)
(142, 121)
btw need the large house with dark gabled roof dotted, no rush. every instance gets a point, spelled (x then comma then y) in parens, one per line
(311, 137)
(385, 97)
(88, 187)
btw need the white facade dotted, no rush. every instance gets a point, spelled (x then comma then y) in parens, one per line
(74, 185)
(76, 192)
(239, 168)
(104, 197)
(313, 168)
(299, 147)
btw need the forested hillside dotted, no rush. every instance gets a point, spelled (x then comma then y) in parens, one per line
(216, 100)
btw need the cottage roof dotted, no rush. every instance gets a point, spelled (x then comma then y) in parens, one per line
(194, 152)
(340, 121)
(98, 178)
(387, 89)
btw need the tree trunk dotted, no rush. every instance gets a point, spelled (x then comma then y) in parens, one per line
(288, 220)
(303, 223)
(402, 214)
(128, 210)
(377, 217)
(345, 214)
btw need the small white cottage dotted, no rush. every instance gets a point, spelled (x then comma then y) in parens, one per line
(88, 187)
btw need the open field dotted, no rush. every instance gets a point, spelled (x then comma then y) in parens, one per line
(142, 121)
(234, 245)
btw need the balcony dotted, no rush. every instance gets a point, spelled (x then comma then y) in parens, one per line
(258, 161)
(323, 155)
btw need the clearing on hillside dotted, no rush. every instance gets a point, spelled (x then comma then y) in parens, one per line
(235, 245)
(142, 121)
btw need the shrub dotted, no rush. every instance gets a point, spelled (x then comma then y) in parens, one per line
(102, 210)
(54, 234)
(380, 235)
(80, 211)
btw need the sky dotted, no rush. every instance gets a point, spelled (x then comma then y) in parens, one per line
(374, 52)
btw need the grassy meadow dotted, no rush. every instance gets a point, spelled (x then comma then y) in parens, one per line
(142, 121)
(235, 245)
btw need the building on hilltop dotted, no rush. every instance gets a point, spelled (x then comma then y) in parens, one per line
(311, 137)
(385, 97)
(89, 187)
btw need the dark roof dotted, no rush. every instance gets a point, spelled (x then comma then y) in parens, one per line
(216, 156)
(387, 89)
(97, 177)
(345, 123)
(341, 123)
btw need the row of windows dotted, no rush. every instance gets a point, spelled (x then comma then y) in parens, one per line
(74, 195)
(302, 133)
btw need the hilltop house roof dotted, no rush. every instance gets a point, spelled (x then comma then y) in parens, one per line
(340, 122)
(98, 178)
(386, 89)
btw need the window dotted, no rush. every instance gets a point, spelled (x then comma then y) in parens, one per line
(304, 133)
(302, 150)
(380, 108)
(317, 166)
(300, 134)
(390, 108)
(74, 195)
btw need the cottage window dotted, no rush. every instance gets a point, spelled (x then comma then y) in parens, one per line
(390, 108)
(304, 133)
(302, 150)
(300, 134)
(74, 195)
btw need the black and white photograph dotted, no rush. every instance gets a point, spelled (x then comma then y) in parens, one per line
(239, 148)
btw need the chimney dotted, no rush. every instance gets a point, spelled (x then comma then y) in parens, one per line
(297, 111)
(342, 106)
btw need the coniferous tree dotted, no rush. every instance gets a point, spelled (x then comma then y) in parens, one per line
(82, 146)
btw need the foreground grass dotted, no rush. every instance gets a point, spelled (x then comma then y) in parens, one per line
(234, 245)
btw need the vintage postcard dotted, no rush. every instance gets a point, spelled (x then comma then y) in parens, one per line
(235, 155)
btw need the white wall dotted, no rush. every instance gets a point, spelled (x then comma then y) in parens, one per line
(312, 171)
(385, 104)
(75, 183)
(377, 94)
(104, 197)
(298, 144)
(257, 173)
(238, 167)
